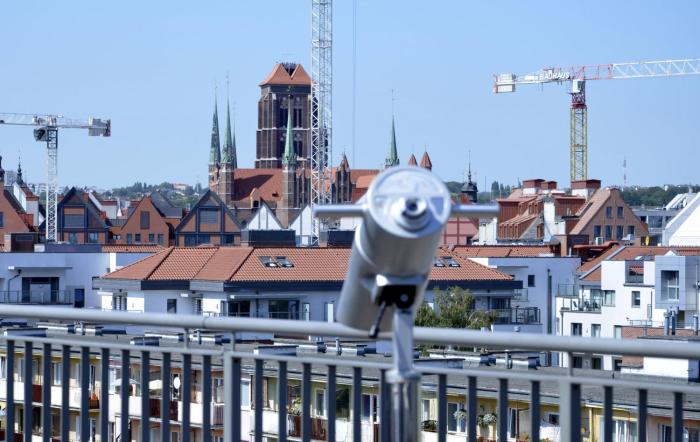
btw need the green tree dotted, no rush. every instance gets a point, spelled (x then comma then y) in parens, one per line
(454, 308)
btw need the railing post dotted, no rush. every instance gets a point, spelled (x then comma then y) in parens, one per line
(232, 401)
(104, 394)
(166, 400)
(442, 408)
(385, 409)
(570, 410)
(677, 417)
(356, 404)
(282, 402)
(124, 395)
(28, 383)
(306, 402)
(642, 416)
(85, 393)
(471, 408)
(535, 410)
(10, 379)
(145, 396)
(331, 403)
(46, 394)
(503, 410)
(186, 395)
(607, 414)
(404, 379)
(258, 416)
(206, 396)
(65, 392)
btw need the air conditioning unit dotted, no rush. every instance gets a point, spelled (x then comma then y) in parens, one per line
(598, 240)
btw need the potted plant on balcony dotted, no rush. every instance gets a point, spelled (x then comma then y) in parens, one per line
(460, 416)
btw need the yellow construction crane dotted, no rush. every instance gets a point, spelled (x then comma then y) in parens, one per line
(577, 76)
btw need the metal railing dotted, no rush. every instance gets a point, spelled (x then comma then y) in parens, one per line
(587, 305)
(517, 315)
(195, 366)
(41, 297)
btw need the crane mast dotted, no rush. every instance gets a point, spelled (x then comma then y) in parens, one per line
(46, 130)
(321, 106)
(577, 76)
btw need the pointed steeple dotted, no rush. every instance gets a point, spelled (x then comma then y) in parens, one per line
(344, 163)
(19, 179)
(425, 162)
(470, 188)
(228, 154)
(215, 149)
(392, 158)
(412, 160)
(289, 156)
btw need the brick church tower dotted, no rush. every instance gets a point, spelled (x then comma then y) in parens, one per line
(287, 87)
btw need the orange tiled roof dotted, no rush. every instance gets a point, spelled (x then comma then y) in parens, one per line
(280, 75)
(242, 264)
(501, 251)
(132, 248)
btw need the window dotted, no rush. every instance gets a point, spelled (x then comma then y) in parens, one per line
(2, 219)
(619, 232)
(608, 212)
(172, 306)
(245, 393)
(620, 211)
(595, 330)
(151, 238)
(452, 423)
(669, 285)
(145, 220)
(636, 298)
(512, 422)
(530, 280)
(129, 239)
(56, 373)
(267, 261)
(209, 216)
(306, 311)
(630, 231)
(93, 237)
(198, 306)
(73, 221)
(450, 261)
(597, 231)
(119, 302)
(597, 363)
(160, 239)
(227, 239)
(369, 407)
(279, 309)
(283, 261)
(577, 362)
(320, 402)
(618, 332)
(73, 238)
(608, 232)
(553, 419)
(689, 434)
(609, 297)
(3, 367)
(426, 410)
(329, 312)
(137, 238)
(576, 329)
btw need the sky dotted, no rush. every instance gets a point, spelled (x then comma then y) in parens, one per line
(151, 67)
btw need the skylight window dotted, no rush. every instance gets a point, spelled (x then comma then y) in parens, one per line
(277, 261)
(283, 261)
(450, 261)
(437, 262)
(267, 261)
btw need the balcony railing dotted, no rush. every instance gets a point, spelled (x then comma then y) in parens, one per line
(567, 290)
(562, 388)
(588, 305)
(526, 315)
(520, 295)
(40, 297)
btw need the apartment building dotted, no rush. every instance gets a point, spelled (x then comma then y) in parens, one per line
(288, 283)
(627, 286)
(150, 220)
(684, 228)
(540, 269)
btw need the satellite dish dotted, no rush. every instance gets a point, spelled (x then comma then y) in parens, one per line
(176, 382)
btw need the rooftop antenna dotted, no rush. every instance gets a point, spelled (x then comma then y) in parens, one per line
(624, 172)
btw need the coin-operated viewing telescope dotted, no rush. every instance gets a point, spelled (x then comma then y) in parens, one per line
(405, 212)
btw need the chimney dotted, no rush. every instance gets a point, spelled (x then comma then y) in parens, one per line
(584, 188)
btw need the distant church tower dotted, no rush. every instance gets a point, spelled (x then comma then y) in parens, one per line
(287, 87)
(289, 174)
(392, 157)
(469, 188)
(214, 151)
(225, 189)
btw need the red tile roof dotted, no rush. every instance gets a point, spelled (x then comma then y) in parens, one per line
(501, 251)
(280, 75)
(132, 248)
(243, 264)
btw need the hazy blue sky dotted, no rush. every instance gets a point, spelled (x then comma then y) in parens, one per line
(151, 66)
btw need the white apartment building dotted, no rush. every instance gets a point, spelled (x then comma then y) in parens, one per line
(628, 286)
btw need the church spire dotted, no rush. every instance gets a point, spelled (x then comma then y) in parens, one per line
(19, 178)
(392, 158)
(229, 151)
(289, 156)
(215, 149)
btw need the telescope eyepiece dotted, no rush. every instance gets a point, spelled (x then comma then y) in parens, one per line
(411, 213)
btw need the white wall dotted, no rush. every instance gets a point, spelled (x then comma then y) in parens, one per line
(684, 228)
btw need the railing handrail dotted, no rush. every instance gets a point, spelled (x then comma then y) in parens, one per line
(455, 337)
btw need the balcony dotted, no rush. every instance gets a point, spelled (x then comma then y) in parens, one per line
(567, 290)
(483, 390)
(517, 316)
(582, 304)
(36, 297)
